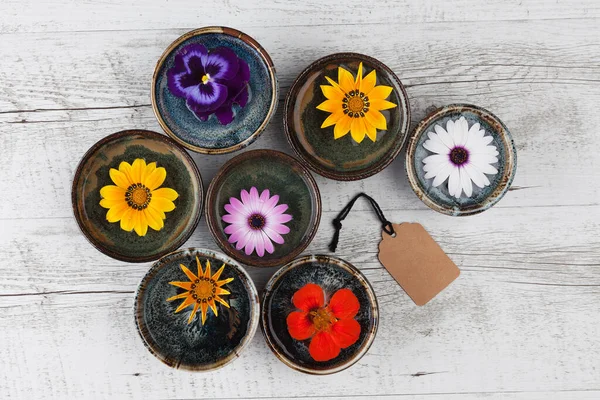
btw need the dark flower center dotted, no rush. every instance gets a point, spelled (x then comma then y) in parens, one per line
(355, 104)
(256, 221)
(322, 319)
(459, 155)
(138, 196)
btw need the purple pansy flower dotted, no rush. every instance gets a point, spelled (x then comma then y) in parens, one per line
(211, 82)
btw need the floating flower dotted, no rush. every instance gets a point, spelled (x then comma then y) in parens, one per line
(256, 221)
(136, 200)
(355, 105)
(211, 82)
(462, 156)
(202, 290)
(332, 327)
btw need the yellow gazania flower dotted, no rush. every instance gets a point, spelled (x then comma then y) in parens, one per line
(135, 199)
(202, 291)
(355, 104)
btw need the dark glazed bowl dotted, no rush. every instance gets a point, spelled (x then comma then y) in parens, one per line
(210, 137)
(438, 198)
(283, 175)
(194, 346)
(93, 173)
(331, 274)
(343, 159)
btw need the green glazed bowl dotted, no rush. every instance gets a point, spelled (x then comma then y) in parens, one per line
(93, 173)
(439, 198)
(331, 274)
(283, 176)
(192, 345)
(343, 158)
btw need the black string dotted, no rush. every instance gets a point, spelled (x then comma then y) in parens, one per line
(337, 221)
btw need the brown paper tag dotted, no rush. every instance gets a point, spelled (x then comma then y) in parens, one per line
(416, 262)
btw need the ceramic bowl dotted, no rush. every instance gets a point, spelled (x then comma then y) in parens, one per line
(274, 174)
(332, 274)
(210, 136)
(192, 345)
(343, 158)
(439, 198)
(93, 173)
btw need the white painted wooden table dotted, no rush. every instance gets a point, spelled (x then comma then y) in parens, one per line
(523, 319)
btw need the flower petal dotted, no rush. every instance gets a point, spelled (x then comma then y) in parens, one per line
(224, 114)
(368, 82)
(112, 192)
(156, 178)
(260, 245)
(195, 50)
(280, 209)
(278, 219)
(332, 93)
(279, 227)
(251, 243)
(371, 131)
(162, 204)
(454, 183)
(127, 219)
(332, 119)
(159, 214)
(141, 224)
(323, 348)
(442, 174)
(268, 244)
(221, 63)
(465, 182)
(116, 212)
(147, 171)
(342, 127)
(166, 193)
(345, 79)
(474, 174)
(136, 170)
(299, 325)
(380, 92)
(358, 130)
(154, 222)
(236, 218)
(436, 145)
(345, 332)
(125, 168)
(238, 206)
(206, 97)
(106, 203)
(274, 236)
(309, 297)
(344, 304)
(379, 104)
(444, 136)
(238, 234)
(119, 178)
(330, 106)
(376, 119)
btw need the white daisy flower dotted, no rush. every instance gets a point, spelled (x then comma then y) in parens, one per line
(462, 155)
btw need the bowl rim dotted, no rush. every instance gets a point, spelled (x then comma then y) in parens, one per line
(250, 42)
(268, 290)
(212, 223)
(505, 137)
(317, 167)
(75, 195)
(142, 329)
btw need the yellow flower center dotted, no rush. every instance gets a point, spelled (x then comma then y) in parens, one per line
(138, 196)
(322, 319)
(205, 78)
(355, 104)
(204, 289)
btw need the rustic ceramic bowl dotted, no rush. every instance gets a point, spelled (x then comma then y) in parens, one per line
(332, 274)
(93, 173)
(193, 346)
(282, 175)
(343, 158)
(210, 137)
(438, 198)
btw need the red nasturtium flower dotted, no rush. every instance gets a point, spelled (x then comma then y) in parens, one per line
(332, 327)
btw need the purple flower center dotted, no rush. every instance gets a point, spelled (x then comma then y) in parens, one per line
(256, 221)
(459, 155)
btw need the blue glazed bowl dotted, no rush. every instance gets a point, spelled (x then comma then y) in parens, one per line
(331, 274)
(192, 345)
(210, 137)
(439, 198)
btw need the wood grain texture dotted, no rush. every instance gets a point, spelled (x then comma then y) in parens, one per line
(521, 322)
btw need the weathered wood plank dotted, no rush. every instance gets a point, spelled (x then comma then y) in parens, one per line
(63, 15)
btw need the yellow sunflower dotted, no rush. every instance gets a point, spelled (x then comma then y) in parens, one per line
(135, 198)
(355, 104)
(202, 291)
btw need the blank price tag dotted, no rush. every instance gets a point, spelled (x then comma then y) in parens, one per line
(416, 262)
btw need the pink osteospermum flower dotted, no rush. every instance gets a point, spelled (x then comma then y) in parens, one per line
(256, 221)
